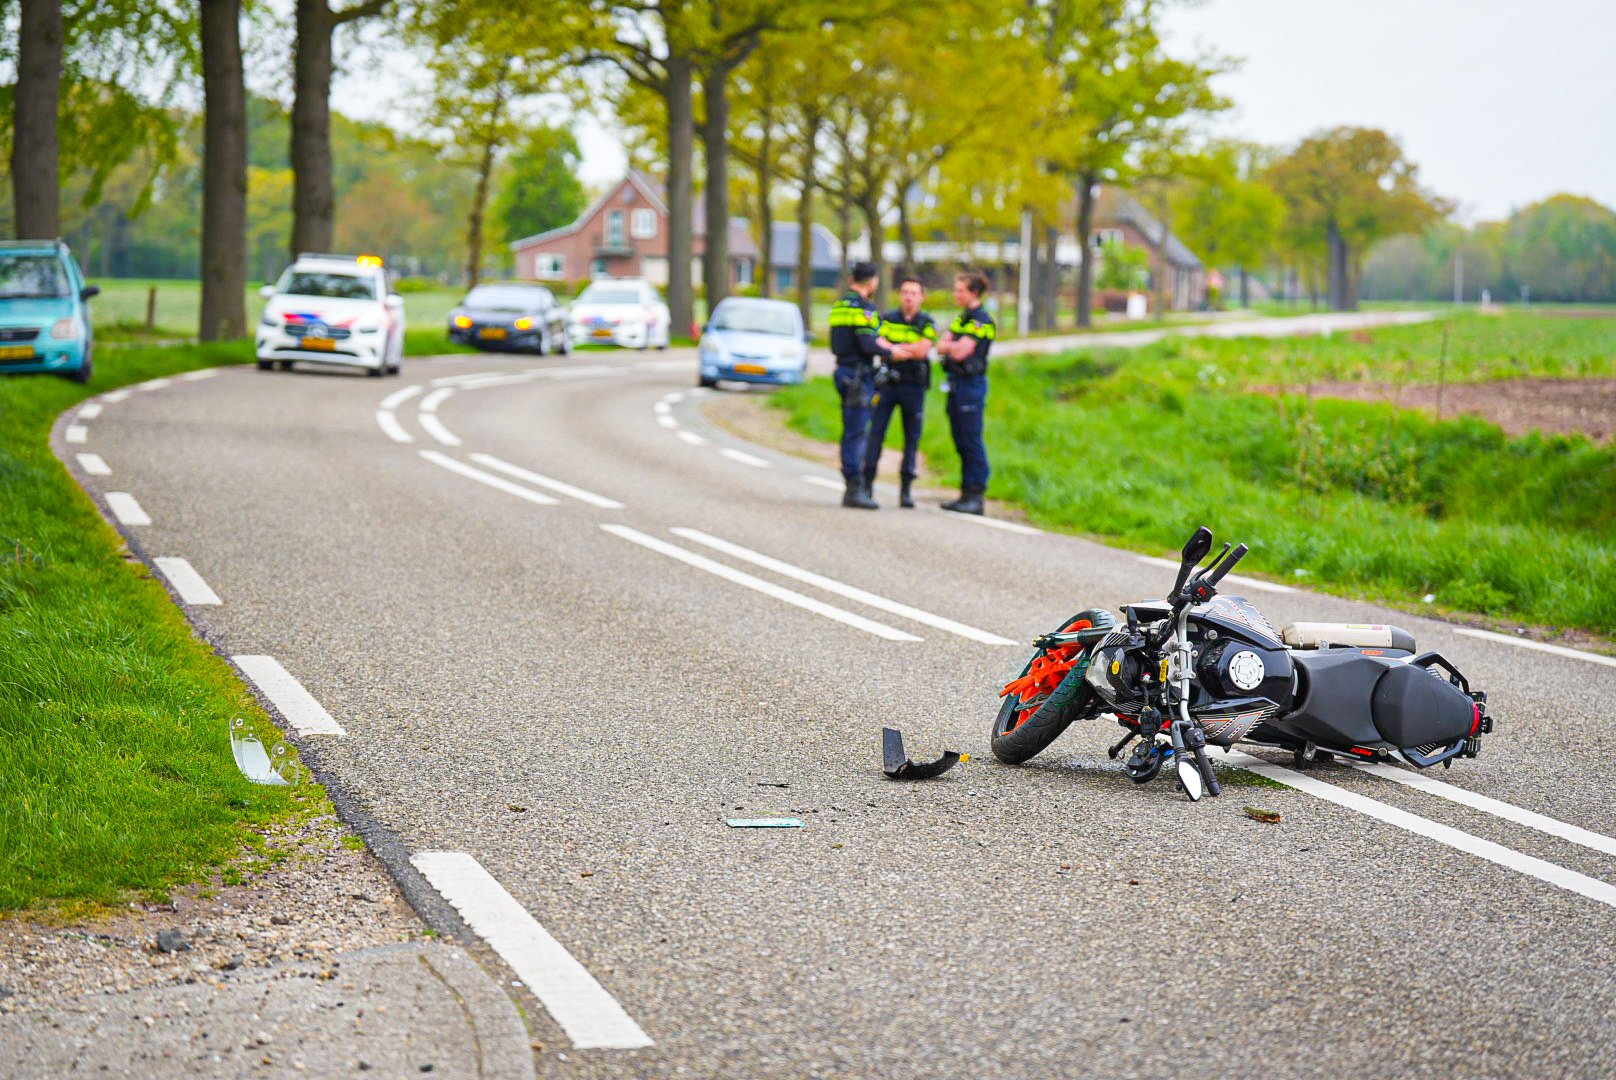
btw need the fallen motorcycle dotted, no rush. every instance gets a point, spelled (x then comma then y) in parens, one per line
(1203, 669)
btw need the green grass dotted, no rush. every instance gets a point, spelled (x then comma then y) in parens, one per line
(114, 750)
(1141, 446)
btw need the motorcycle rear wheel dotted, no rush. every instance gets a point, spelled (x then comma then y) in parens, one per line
(1015, 737)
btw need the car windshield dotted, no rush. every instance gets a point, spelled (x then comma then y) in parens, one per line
(329, 283)
(502, 298)
(755, 318)
(610, 294)
(31, 276)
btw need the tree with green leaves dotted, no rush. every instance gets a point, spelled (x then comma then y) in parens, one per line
(1344, 189)
(541, 190)
(1225, 212)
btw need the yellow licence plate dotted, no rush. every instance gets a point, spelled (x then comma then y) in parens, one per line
(751, 369)
(319, 344)
(603, 332)
(492, 333)
(16, 352)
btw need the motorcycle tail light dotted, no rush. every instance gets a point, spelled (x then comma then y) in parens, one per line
(1475, 724)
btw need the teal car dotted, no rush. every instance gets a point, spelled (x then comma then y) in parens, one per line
(44, 314)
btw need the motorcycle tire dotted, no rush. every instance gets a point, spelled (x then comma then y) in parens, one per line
(1014, 742)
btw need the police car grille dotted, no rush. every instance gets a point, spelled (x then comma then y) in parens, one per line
(335, 333)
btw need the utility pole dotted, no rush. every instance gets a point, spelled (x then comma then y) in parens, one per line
(1458, 276)
(1024, 278)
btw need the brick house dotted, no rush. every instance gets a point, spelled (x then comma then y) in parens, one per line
(624, 233)
(1120, 218)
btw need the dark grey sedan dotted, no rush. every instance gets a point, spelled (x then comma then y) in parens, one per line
(511, 316)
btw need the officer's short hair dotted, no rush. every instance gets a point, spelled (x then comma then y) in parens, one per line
(974, 280)
(910, 277)
(861, 272)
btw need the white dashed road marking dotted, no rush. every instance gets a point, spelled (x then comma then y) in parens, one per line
(819, 581)
(205, 373)
(117, 396)
(1529, 865)
(745, 458)
(431, 402)
(186, 581)
(767, 588)
(77, 433)
(668, 422)
(447, 462)
(90, 411)
(1539, 646)
(434, 427)
(824, 482)
(155, 384)
(399, 397)
(126, 509)
(662, 408)
(590, 1016)
(692, 438)
(546, 482)
(1233, 579)
(94, 465)
(307, 716)
(392, 428)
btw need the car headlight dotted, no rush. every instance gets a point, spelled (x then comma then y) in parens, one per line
(67, 329)
(268, 320)
(462, 322)
(368, 329)
(524, 323)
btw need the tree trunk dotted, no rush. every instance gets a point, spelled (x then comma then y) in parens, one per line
(1245, 288)
(715, 144)
(805, 225)
(844, 225)
(871, 209)
(1085, 250)
(765, 172)
(479, 204)
(906, 230)
(224, 174)
(1051, 297)
(1337, 270)
(681, 199)
(36, 191)
(313, 204)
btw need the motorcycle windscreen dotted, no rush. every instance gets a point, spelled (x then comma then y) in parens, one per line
(1414, 707)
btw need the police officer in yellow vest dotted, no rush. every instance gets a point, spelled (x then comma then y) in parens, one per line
(903, 383)
(964, 349)
(856, 341)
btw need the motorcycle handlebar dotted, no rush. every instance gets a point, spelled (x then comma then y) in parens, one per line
(1226, 564)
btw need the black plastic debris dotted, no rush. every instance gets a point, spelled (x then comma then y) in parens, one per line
(896, 763)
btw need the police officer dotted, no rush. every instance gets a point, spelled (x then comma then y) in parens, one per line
(912, 335)
(964, 349)
(855, 339)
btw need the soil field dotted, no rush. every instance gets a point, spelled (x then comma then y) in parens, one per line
(1552, 406)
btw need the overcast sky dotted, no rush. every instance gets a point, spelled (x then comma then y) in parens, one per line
(1500, 102)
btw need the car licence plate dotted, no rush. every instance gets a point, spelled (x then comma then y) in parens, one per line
(602, 331)
(751, 369)
(492, 333)
(319, 344)
(16, 352)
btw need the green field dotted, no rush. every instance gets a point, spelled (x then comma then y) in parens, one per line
(114, 750)
(1140, 446)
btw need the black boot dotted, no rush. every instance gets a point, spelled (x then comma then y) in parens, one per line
(858, 496)
(905, 499)
(969, 502)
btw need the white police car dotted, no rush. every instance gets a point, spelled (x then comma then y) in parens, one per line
(332, 309)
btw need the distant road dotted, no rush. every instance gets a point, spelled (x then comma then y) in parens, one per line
(566, 628)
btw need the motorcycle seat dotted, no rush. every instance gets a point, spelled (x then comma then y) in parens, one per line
(1318, 635)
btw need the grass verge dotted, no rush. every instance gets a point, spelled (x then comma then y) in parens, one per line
(1140, 446)
(114, 750)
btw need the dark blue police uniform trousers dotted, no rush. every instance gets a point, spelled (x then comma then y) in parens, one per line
(856, 384)
(910, 400)
(967, 398)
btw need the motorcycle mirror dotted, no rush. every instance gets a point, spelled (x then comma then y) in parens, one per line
(1189, 776)
(1198, 545)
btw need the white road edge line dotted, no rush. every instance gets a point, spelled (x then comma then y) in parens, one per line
(1540, 646)
(996, 523)
(307, 716)
(1508, 811)
(94, 465)
(117, 396)
(1545, 871)
(744, 458)
(546, 482)
(399, 397)
(186, 581)
(77, 433)
(767, 588)
(447, 462)
(155, 384)
(824, 482)
(1236, 579)
(692, 438)
(90, 411)
(391, 427)
(584, 1009)
(430, 403)
(434, 427)
(668, 422)
(126, 509)
(830, 585)
(205, 373)
(661, 408)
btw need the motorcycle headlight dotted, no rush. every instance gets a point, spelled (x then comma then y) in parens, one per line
(67, 329)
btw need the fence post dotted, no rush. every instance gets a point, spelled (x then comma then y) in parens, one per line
(151, 309)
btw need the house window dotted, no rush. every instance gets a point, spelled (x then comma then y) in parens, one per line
(549, 267)
(1102, 237)
(614, 229)
(597, 268)
(743, 272)
(644, 224)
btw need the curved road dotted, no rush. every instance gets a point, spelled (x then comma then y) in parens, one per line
(566, 628)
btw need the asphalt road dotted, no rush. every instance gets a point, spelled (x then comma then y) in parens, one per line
(570, 695)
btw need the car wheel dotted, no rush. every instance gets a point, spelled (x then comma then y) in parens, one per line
(705, 381)
(286, 365)
(266, 365)
(85, 370)
(667, 338)
(544, 343)
(566, 344)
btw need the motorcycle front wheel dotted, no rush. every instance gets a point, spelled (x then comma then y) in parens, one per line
(1034, 715)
